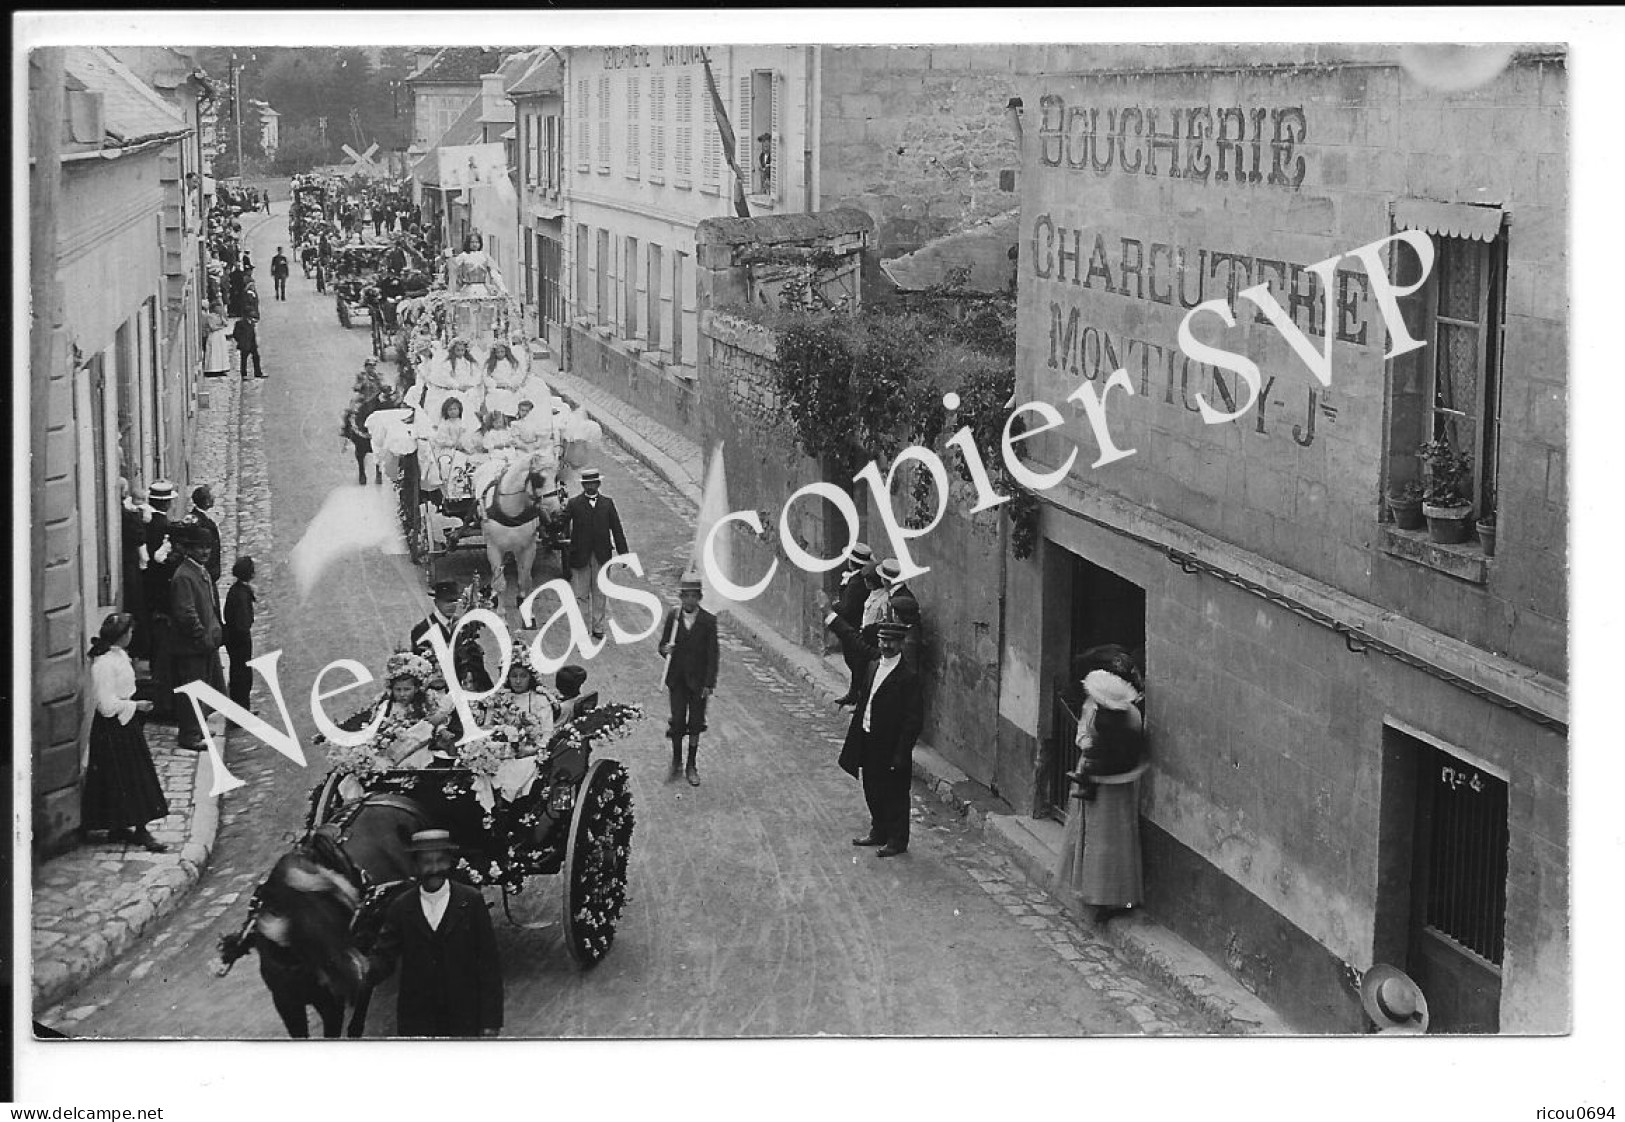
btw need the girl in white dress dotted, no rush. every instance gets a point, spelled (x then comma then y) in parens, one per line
(122, 792)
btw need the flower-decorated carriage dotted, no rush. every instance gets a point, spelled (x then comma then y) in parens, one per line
(525, 801)
(474, 445)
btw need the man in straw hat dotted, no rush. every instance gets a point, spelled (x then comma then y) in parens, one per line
(854, 592)
(879, 747)
(451, 978)
(1393, 1002)
(595, 538)
(688, 642)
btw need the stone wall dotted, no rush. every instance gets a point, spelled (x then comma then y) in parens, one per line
(917, 137)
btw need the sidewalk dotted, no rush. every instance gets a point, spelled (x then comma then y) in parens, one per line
(1032, 844)
(90, 904)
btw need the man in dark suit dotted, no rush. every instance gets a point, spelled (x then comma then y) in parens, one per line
(879, 748)
(854, 592)
(198, 632)
(247, 338)
(202, 503)
(279, 273)
(595, 537)
(689, 644)
(468, 657)
(451, 978)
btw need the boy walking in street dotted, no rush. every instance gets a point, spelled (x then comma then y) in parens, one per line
(239, 627)
(688, 642)
(279, 273)
(248, 346)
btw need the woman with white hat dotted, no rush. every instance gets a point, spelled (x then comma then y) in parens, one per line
(1100, 848)
(525, 691)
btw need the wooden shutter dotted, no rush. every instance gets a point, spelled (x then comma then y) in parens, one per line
(780, 167)
(583, 126)
(745, 136)
(634, 123)
(657, 128)
(684, 169)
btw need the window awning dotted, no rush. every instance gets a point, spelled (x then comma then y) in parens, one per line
(1451, 220)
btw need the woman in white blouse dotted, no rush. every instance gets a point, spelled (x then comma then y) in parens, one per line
(122, 792)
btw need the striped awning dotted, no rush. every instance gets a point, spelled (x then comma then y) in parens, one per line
(1451, 220)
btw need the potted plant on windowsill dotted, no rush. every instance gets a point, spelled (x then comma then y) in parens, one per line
(1447, 500)
(1486, 534)
(1405, 504)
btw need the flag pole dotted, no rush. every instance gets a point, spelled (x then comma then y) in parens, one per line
(726, 132)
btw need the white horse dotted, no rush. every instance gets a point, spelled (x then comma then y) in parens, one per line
(513, 492)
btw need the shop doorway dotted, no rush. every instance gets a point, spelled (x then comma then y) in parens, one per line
(1105, 609)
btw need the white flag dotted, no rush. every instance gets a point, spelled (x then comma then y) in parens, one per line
(354, 519)
(713, 508)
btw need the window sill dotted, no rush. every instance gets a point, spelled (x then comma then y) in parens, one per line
(683, 184)
(1464, 562)
(709, 189)
(658, 180)
(605, 332)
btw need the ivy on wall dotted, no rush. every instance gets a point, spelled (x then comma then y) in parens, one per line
(864, 385)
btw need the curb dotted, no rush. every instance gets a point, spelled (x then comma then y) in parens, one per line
(1172, 962)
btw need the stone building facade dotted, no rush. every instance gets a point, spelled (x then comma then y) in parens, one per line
(115, 360)
(1359, 736)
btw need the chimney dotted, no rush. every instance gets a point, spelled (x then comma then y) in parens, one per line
(422, 58)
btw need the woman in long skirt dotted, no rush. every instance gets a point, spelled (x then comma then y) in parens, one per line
(1100, 861)
(122, 793)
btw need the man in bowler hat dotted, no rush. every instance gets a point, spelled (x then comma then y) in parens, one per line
(198, 632)
(595, 538)
(688, 642)
(879, 747)
(451, 977)
(468, 657)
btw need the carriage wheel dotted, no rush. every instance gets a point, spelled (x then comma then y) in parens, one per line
(595, 862)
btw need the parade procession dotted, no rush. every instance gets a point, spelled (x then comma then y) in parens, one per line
(763, 541)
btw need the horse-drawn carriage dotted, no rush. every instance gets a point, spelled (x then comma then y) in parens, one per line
(500, 493)
(555, 811)
(352, 270)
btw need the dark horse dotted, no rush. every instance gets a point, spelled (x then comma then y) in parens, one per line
(317, 911)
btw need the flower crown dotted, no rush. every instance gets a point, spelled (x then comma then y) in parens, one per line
(405, 664)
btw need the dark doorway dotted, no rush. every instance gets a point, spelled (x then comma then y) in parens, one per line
(1442, 900)
(1106, 610)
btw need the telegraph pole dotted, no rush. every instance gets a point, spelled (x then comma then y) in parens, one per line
(237, 108)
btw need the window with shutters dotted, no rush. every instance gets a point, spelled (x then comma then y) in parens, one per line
(657, 128)
(759, 158)
(583, 242)
(679, 261)
(683, 157)
(606, 265)
(634, 122)
(654, 297)
(583, 126)
(1450, 390)
(550, 140)
(710, 142)
(629, 289)
(603, 125)
(533, 157)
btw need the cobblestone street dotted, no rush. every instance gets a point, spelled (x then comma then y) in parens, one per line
(750, 914)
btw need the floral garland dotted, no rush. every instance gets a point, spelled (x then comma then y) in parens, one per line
(600, 894)
(371, 758)
(604, 725)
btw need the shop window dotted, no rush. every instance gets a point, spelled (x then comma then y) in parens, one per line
(1450, 390)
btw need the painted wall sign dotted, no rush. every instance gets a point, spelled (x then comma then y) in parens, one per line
(1230, 144)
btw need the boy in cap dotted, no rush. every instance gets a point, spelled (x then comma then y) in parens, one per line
(688, 642)
(451, 977)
